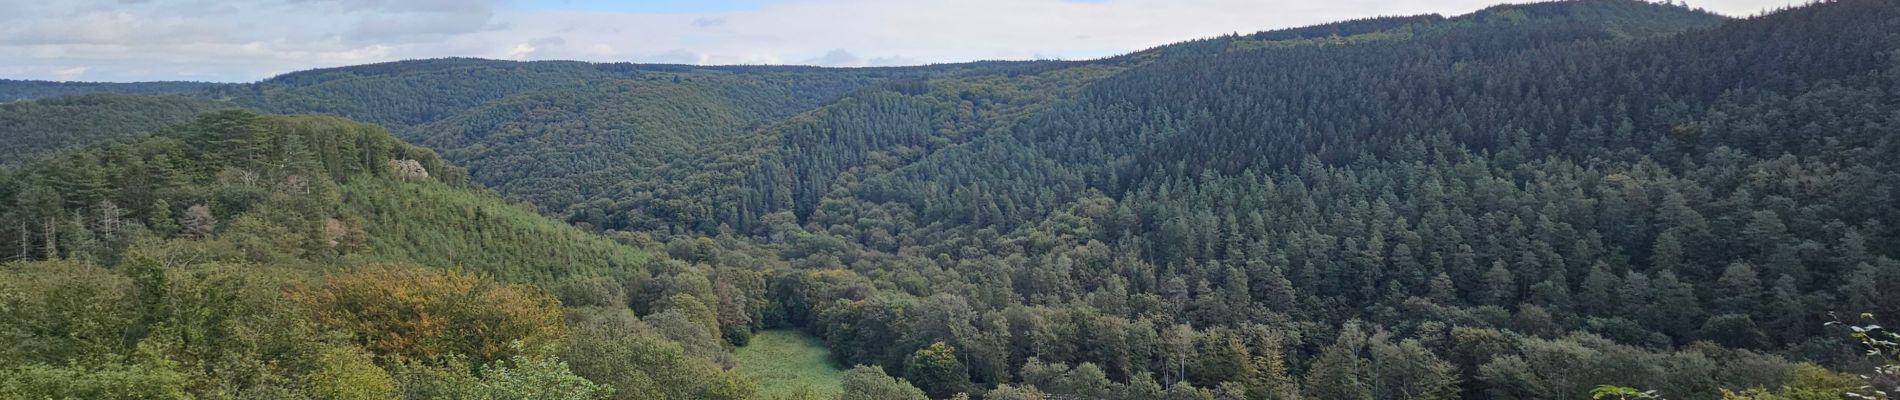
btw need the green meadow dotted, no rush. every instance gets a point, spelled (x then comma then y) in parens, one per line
(790, 365)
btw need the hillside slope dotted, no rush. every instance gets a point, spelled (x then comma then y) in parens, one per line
(30, 129)
(310, 188)
(564, 144)
(21, 90)
(1582, 182)
(1524, 202)
(242, 255)
(941, 144)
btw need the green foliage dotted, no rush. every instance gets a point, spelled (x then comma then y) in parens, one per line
(154, 330)
(435, 224)
(1883, 346)
(520, 378)
(17, 90)
(635, 141)
(147, 380)
(937, 371)
(1613, 392)
(870, 383)
(258, 257)
(1339, 372)
(538, 379)
(1007, 392)
(1516, 203)
(611, 346)
(348, 374)
(1409, 370)
(1810, 383)
(1450, 197)
(57, 312)
(271, 181)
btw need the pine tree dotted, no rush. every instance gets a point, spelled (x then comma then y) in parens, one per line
(1739, 290)
(1441, 289)
(1788, 319)
(1675, 307)
(1600, 290)
(1407, 370)
(1268, 379)
(160, 219)
(1178, 342)
(1500, 286)
(1666, 254)
(1340, 373)
(1221, 358)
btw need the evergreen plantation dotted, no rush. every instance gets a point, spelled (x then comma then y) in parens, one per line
(1526, 202)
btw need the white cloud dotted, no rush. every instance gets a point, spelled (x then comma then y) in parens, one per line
(675, 56)
(69, 73)
(836, 58)
(241, 41)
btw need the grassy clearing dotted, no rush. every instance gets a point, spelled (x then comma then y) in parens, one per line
(786, 363)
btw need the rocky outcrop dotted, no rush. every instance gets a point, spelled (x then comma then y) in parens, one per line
(408, 169)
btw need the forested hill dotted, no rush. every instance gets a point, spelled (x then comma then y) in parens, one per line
(17, 90)
(1519, 203)
(403, 95)
(252, 256)
(35, 128)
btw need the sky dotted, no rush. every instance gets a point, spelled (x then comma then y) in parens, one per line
(249, 40)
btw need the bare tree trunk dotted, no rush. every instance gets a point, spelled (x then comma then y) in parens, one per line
(79, 222)
(52, 237)
(26, 246)
(110, 217)
(198, 222)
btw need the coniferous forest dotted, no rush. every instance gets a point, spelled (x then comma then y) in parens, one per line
(1561, 200)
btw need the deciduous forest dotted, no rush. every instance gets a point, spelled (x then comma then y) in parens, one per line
(1558, 200)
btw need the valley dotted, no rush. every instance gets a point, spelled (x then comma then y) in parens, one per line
(1529, 201)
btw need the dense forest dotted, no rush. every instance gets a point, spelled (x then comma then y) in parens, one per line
(249, 256)
(35, 128)
(1539, 201)
(17, 90)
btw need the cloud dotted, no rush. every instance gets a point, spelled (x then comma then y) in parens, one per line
(836, 58)
(121, 40)
(402, 6)
(403, 27)
(67, 74)
(890, 61)
(110, 28)
(675, 56)
(538, 48)
(708, 22)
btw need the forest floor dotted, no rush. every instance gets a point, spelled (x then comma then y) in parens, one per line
(789, 364)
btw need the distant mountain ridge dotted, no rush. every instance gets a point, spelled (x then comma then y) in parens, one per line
(21, 90)
(1522, 202)
(36, 128)
(408, 96)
